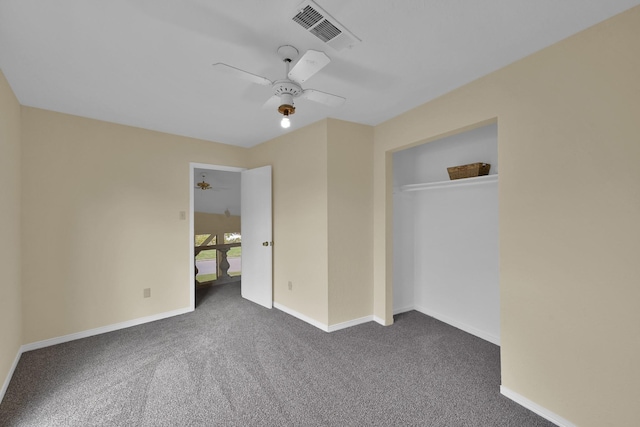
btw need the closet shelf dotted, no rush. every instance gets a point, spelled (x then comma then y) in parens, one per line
(450, 184)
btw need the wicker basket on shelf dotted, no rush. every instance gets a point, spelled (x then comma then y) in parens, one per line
(468, 171)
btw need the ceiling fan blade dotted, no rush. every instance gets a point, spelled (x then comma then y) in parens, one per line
(231, 70)
(310, 63)
(273, 102)
(323, 98)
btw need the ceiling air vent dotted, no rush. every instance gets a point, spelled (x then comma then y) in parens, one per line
(318, 22)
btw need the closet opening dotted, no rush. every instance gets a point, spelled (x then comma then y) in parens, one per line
(445, 233)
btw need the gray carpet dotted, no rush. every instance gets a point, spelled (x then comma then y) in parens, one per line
(233, 363)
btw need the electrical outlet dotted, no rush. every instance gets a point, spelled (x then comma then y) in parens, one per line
(290, 285)
(146, 292)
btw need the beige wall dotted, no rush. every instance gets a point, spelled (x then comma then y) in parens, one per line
(101, 221)
(299, 160)
(322, 219)
(10, 290)
(350, 220)
(215, 223)
(569, 148)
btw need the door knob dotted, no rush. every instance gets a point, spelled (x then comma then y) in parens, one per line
(267, 243)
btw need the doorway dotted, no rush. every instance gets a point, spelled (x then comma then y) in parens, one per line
(214, 219)
(255, 209)
(217, 227)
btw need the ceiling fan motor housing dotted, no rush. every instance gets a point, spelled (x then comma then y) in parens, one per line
(287, 87)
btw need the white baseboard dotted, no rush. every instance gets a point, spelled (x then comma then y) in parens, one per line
(403, 309)
(7, 380)
(101, 330)
(84, 334)
(534, 407)
(379, 320)
(460, 325)
(301, 316)
(350, 323)
(322, 326)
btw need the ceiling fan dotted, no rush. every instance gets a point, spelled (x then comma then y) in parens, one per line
(206, 186)
(285, 90)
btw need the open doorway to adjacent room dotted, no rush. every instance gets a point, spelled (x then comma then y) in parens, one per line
(215, 219)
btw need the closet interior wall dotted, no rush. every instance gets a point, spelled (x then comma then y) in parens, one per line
(446, 258)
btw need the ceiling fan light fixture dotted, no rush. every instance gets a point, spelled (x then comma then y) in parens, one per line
(203, 185)
(286, 110)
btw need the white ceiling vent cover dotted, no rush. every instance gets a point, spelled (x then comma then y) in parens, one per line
(318, 22)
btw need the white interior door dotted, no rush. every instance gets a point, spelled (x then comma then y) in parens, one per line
(255, 221)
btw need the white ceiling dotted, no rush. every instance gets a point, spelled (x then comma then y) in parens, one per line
(147, 63)
(224, 193)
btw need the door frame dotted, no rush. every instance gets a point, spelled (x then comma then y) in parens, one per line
(192, 182)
